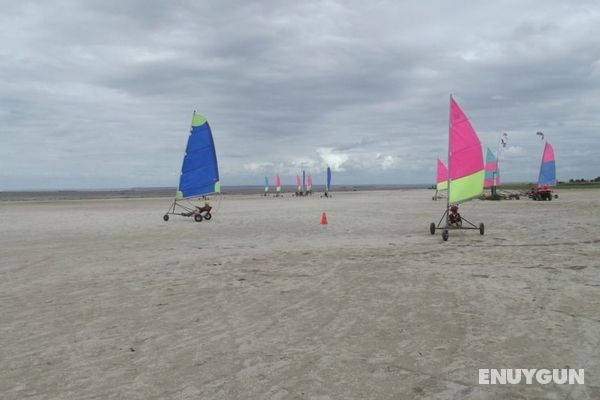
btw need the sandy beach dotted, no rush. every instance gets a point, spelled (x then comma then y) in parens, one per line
(102, 299)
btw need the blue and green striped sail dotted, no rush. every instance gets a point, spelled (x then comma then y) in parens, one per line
(200, 171)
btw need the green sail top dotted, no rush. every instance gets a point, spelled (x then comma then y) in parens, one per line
(198, 120)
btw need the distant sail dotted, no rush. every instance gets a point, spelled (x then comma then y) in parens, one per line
(277, 183)
(466, 169)
(548, 168)
(298, 183)
(266, 184)
(442, 176)
(200, 172)
(303, 179)
(309, 182)
(328, 187)
(492, 174)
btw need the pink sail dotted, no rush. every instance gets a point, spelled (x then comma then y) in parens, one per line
(465, 147)
(465, 163)
(547, 175)
(548, 153)
(492, 166)
(298, 181)
(277, 181)
(442, 172)
(309, 181)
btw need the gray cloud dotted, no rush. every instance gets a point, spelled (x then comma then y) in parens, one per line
(100, 94)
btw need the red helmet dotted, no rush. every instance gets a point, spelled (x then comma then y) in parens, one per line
(454, 209)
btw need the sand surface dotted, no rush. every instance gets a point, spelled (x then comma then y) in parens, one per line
(101, 299)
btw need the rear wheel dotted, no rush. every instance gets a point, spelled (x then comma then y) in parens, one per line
(165, 217)
(556, 196)
(481, 228)
(198, 218)
(445, 235)
(432, 228)
(207, 216)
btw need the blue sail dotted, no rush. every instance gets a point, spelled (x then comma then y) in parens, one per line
(303, 179)
(200, 172)
(547, 175)
(328, 178)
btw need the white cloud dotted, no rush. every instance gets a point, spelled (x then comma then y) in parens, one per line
(332, 158)
(515, 151)
(258, 167)
(385, 161)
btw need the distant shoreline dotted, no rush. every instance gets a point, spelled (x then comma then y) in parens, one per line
(140, 193)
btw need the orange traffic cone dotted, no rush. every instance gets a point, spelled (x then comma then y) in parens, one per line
(324, 218)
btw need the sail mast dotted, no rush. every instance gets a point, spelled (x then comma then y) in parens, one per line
(449, 155)
(497, 171)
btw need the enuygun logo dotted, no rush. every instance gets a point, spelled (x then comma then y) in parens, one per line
(510, 376)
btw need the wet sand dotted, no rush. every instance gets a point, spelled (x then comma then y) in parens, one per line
(101, 299)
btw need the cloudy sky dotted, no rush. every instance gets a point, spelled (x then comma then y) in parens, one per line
(99, 94)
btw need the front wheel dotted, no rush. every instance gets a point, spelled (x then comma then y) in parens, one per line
(198, 218)
(556, 196)
(165, 217)
(207, 216)
(445, 235)
(481, 228)
(432, 228)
